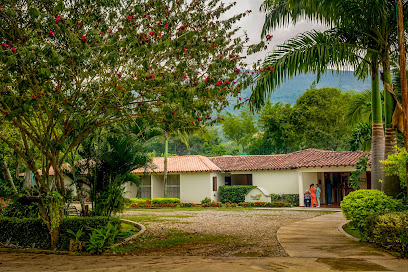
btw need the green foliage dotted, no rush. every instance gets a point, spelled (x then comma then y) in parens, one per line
(389, 230)
(76, 235)
(165, 201)
(234, 193)
(138, 200)
(358, 205)
(29, 230)
(239, 129)
(360, 138)
(293, 199)
(318, 118)
(361, 167)
(206, 200)
(396, 164)
(20, 210)
(102, 238)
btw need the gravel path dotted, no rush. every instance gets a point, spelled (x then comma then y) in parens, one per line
(252, 232)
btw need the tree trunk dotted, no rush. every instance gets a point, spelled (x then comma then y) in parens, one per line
(52, 214)
(166, 154)
(404, 91)
(377, 142)
(390, 184)
(7, 174)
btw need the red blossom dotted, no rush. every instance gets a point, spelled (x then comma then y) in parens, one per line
(185, 76)
(57, 19)
(14, 50)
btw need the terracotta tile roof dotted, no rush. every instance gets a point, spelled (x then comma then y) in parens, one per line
(304, 158)
(193, 163)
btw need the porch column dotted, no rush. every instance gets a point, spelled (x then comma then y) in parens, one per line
(301, 196)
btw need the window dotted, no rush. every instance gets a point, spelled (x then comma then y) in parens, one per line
(228, 181)
(173, 186)
(215, 187)
(146, 187)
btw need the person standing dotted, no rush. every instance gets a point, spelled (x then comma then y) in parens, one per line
(307, 198)
(329, 188)
(318, 190)
(312, 195)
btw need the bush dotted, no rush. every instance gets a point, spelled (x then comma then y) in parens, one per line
(138, 200)
(229, 205)
(29, 231)
(290, 198)
(234, 193)
(389, 231)
(211, 204)
(20, 210)
(188, 205)
(165, 201)
(358, 205)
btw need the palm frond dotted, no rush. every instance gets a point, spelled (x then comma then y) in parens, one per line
(359, 109)
(310, 52)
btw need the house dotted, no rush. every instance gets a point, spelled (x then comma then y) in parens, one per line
(192, 178)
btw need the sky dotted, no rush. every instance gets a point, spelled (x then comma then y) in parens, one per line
(254, 22)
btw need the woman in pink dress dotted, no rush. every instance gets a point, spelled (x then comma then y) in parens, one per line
(313, 195)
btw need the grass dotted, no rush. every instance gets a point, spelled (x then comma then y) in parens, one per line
(193, 209)
(352, 231)
(176, 238)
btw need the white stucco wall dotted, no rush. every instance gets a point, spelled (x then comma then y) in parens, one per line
(157, 186)
(276, 181)
(130, 190)
(256, 195)
(194, 187)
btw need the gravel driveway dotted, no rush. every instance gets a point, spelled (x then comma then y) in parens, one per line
(250, 233)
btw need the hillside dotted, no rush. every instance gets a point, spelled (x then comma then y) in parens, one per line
(290, 90)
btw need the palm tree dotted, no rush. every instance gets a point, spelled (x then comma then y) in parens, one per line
(367, 33)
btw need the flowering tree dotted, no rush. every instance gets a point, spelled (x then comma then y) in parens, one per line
(69, 67)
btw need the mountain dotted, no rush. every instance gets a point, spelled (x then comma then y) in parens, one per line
(291, 89)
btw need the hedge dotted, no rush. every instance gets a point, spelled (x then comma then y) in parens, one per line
(389, 230)
(360, 204)
(293, 199)
(234, 193)
(28, 231)
(165, 201)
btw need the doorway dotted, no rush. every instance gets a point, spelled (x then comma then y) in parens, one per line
(337, 185)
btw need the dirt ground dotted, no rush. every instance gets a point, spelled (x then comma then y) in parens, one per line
(211, 232)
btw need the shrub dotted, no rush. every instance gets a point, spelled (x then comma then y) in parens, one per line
(20, 210)
(206, 200)
(188, 205)
(29, 231)
(101, 239)
(165, 201)
(234, 193)
(389, 231)
(358, 205)
(228, 205)
(139, 200)
(211, 204)
(290, 198)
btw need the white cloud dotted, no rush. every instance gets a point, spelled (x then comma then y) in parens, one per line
(254, 22)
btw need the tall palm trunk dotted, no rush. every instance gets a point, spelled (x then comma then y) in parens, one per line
(391, 184)
(166, 154)
(377, 142)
